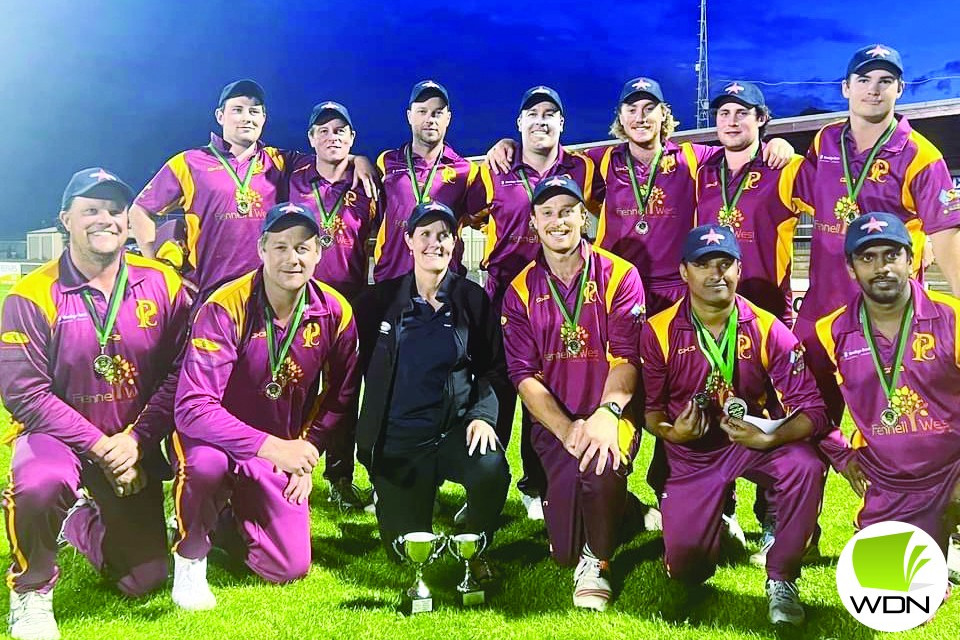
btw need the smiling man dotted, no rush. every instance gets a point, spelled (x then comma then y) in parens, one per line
(323, 182)
(570, 322)
(87, 349)
(268, 379)
(894, 348)
(710, 347)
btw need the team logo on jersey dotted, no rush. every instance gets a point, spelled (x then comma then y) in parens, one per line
(923, 344)
(744, 345)
(590, 292)
(878, 170)
(146, 313)
(205, 345)
(752, 180)
(311, 334)
(668, 164)
(14, 337)
(448, 175)
(350, 198)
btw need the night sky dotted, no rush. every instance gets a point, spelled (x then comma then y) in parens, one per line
(126, 84)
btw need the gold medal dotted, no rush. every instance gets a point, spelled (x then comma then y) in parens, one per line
(846, 209)
(573, 338)
(243, 202)
(642, 227)
(103, 365)
(273, 390)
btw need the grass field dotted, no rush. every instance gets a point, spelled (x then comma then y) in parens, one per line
(353, 592)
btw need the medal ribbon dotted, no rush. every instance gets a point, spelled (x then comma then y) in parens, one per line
(571, 320)
(853, 190)
(644, 197)
(327, 217)
(243, 185)
(105, 328)
(276, 359)
(526, 182)
(727, 203)
(721, 357)
(418, 192)
(889, 383)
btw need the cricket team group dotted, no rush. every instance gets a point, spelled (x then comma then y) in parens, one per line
(639, 286)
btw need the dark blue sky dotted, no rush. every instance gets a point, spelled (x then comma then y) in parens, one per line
(126, 84)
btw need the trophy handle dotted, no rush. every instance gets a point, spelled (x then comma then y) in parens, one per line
(441, 545)
(483, 543)
(397, 544)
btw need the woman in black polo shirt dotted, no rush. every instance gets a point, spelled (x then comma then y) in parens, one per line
(431, 352)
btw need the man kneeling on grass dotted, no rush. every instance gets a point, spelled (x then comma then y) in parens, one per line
(708, 353)
(268, 379)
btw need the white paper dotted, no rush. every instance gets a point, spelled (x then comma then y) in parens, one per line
(766, 425)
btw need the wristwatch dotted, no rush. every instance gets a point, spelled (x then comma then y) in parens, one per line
(613, 408)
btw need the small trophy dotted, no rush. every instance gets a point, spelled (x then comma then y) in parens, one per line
(419, 548)
(465, 547)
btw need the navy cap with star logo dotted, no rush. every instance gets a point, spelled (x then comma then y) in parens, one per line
(554, 185)
(245, 88)
(710, 238)
(641, 87)
(96, 182)
(326, 111)
(746, 93)
(292, 213)
(426, 89)
(538, 94)
(427, 212)
(875, 56)
(877, 226)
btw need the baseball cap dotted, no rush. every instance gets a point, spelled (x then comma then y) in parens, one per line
(554, 185)
(540, 93)
(709, 238)
(426, 89)
(641, 86)
(293, 212)
(431, 210)
(247, 88)
(327, 111)
(746, 93)
(872, 227)
(96, 182)
(875, 56)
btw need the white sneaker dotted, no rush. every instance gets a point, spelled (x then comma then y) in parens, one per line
(652, 519)
(31, 616)
(591, 589)
(735, 531)
(784, 603)
(533, 505)
(190, 588)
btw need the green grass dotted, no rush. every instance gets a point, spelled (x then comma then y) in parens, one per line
(353, 591)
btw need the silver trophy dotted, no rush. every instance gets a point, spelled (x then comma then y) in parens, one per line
(465, 547)
(419, 548)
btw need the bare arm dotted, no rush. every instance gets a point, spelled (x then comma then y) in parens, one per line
(946, 250)
(144, 229)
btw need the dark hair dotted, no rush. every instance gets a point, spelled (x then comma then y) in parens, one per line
(761, 110)
(860, 249)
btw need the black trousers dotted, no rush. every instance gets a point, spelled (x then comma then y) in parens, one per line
(406, 486)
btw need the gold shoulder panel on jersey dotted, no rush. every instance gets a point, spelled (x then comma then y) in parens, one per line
(765, 321)
(824, 329)
(617, 273)
(181, 170)
(279, 161)
(382, 162)
(232, 297)
(519, 284)
(660, 324)
(37, 287)
(171, 279)
(954, 304)
(926, 155)
(346, 311)
(688, 152)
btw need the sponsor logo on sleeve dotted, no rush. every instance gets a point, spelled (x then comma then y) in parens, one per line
(203, 344)
(14, 337)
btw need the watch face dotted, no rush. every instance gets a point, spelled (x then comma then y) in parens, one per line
(617, 409)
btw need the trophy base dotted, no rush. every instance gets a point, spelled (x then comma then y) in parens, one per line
(419, 605)
(472, 598)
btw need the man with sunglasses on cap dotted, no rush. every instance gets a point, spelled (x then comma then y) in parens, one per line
(709, 362)
(322, 182)
(570, 323)
(423, 170)
(87, 348)
(894, 350)
(269, 377)
(224, 188)
(872, 161)
(500, 205)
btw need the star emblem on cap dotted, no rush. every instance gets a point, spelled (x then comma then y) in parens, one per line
(713, 237)
(641, 84)
(429, 83)
(735, 89)
(102, 175)
(435, 206)
(556, 181)
(873, 225)
(329, 105)
(878, 51)
(291, 208)
(540, 89)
